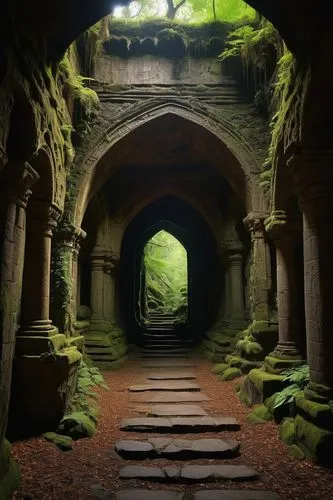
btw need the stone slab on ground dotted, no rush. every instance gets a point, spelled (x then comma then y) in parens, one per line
(171, 375)
(179, 424)
(168, 385)
(189, 473)
(166, 354)
(176, 449)
(148, 495)
(168, 397)
(176, 411)
(235, 495)
(168, 363)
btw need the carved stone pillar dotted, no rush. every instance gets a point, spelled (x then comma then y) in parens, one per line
(97, 290)
(235, 278)
(64, 273)
(313, 173)
(260, 276)
(109, 300)
(42, 219)
(286, 233)
(18, 194)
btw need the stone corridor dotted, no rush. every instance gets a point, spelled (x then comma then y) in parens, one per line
(211, 452)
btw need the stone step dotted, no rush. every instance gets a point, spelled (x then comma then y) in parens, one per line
(233, 495)
(163, 354)
(179, 424)
(189, 473)
(168, 385)
(148, 495)
(171, 375)
(168, 363)
(198, 495)
(176, 411)
(177, 449)
(168, 397)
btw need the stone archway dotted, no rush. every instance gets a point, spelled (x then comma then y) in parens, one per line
(240, 167)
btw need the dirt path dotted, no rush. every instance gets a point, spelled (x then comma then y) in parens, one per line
(91, 469)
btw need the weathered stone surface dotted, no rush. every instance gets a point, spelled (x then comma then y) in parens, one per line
(148, 495)
(133, 447)
(176, 410)
(219, 472)
(172, 385)
(168, 397)
(190, 473)
(235, 495)
(145, 423)
(141, 472)
(179, 424)
(179, 449)
(172, 375)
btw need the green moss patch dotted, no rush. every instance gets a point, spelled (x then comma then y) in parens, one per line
(296, 452)
(320, 414)
(219, 368)
(287, 432)
(258, 385)
(231, 373)
(262, 412)
(10, 480)
(276, 365)
(314, 441)
(77, 425)
(64, 443)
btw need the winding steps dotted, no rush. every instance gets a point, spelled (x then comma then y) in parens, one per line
(169, 396)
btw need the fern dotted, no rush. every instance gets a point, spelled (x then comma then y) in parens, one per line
(297, 379)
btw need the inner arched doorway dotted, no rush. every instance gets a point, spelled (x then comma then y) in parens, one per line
(164, 280)
(204, 274)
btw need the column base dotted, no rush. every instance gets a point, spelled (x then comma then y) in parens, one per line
(41, 327)
(100, 325)
(34, 345)
(275, 363)
(106, 349)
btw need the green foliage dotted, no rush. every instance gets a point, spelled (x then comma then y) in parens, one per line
(297, 379)
(280, 102)
(190, 11)
(251, 43)
(165, 264)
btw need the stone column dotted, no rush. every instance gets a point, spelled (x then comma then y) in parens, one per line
(237, 319)
(11, 277)
(109, 295)
(260, 276)
(97, 290)
(313, 173)
(286, 233)
(42, 219)
(64, 276)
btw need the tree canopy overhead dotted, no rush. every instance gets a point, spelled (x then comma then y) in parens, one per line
(187, 10)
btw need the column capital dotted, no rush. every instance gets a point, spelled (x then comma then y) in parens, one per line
(21, 178)
(313, 173)
(280, 226)
(43, 217)
(255, 223)
(70, 236)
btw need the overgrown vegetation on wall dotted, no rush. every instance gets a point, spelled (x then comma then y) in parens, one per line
(270, 66)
